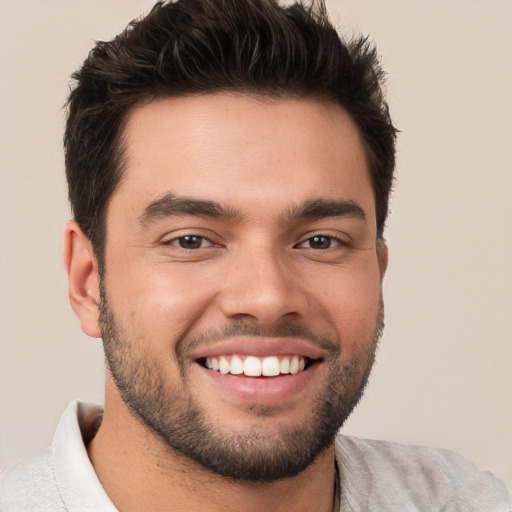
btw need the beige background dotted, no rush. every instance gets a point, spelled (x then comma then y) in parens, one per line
(444, 370)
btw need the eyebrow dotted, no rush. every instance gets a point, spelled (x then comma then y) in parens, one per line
(315, 209)
(170, 205)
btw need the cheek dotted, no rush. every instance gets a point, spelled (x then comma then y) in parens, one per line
(351, 303)
(157, 301)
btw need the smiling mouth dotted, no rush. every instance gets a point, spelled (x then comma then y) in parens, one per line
(252, 366)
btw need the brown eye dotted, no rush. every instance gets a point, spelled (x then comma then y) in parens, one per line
(190, 242)
(320, 242)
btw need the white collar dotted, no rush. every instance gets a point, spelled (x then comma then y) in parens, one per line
(79, 486)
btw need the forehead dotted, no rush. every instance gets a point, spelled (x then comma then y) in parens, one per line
(242, 149)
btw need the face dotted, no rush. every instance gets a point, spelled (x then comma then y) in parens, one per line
(241, 300)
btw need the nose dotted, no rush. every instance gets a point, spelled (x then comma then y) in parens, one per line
(262, 286)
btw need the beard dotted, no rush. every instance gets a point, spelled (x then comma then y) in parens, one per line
(258, 453)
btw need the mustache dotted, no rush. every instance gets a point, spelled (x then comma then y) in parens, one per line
(189, 343)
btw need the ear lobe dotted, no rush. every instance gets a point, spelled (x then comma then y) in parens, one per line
(382, 257)
(83, 279)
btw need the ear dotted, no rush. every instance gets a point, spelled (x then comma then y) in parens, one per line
(83, 278)
(382, 257)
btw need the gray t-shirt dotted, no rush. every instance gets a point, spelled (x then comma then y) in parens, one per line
(375, 476)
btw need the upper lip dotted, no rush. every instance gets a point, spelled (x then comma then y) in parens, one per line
(260, 347)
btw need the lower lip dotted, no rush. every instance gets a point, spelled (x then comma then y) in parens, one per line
(261, 390)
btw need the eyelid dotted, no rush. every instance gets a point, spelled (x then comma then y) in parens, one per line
(337, 238)
(175, 241)
(173, 237)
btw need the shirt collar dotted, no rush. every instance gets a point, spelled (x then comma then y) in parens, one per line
(78, 484)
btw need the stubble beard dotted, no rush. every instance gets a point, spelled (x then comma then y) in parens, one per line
(257, 454)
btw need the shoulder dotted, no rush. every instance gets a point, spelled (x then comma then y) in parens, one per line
(400, 476)
(30, 485)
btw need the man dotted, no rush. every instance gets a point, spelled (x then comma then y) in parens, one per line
(229, 166)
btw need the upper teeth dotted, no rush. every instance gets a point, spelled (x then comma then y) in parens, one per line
(256, 366)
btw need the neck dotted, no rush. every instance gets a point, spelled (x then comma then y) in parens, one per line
(139, 472)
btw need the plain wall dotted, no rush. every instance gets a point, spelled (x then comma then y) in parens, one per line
(444, 367)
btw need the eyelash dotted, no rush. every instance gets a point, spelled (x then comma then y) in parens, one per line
(329, 240)
(177, 242)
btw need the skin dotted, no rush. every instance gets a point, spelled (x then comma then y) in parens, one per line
(260, 158)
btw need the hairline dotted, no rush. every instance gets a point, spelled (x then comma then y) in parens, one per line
(120, 143)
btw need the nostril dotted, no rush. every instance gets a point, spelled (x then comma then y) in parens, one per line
(263, 297)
